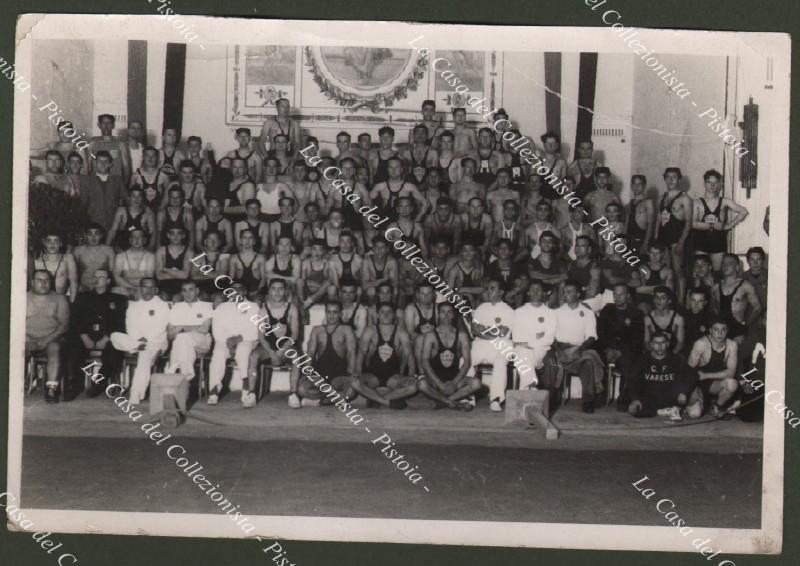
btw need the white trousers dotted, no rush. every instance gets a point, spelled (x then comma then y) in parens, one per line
(534, 359)
(216, 370)
(485, 352)
(185, 348)
(144, 363)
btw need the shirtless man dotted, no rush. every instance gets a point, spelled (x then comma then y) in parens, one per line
(218, 260)
(248, 266)
(213, 221)
(287, 226)
(364, 149)
(301, 188)
(448, 161)
(283, 319)
(169, 154)
(575, 229)
(552, 160)
(75, 166)
(433, 127)
(343, 265)
(65, 146)
(715, 357)
(284, 264)
(386, 365)
(333, 350)
(583, 169)
(664, 318)
(602, 196)
(502, 193)
(312, 287)
(59, 264)
(151, 179)
(419, 151)
(173, 264)
(489, 160)
(419, 317)
(378, 268)
(613, 212)
(444, 223)
(54, 175)
(252, 221)
(445, 363)
(133, 265)
(477, 226)
(655, 273)
(239, 191)
(466, 275)
(92, 255)
(106, 141)
(561, 206)
(466, 141)
(531, 199)
(281, 153)
(674, 223)
(640, 213)
(758, 274)
(379, 160)
(431, 189)
(700, 275)
(281, 123)
(245, 151)
(713, 217)
(466, 188)
(388, 192)
(344, 145)
(175, 214)
(46, 322)
(735, 299)
(548, 266)
(353, 220)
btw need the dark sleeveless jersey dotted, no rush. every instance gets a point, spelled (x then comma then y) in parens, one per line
(170, 223)
(711, 241)
(384, 362)
(671, 228)
(273, 320)
(330, 363)
(735, 328)
(447, 361)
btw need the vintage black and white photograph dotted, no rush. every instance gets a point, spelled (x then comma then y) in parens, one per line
(400, 282)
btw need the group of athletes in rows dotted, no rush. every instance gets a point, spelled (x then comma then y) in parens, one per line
(168, 225)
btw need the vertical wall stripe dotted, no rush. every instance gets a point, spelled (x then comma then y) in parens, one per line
(552, 102)
(174, 82)
(156, 64)
(137, 81)
(586, 88)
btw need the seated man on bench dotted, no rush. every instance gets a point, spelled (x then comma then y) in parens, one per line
(47, 318)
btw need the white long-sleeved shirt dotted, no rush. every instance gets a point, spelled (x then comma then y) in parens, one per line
(575, 326)
(228, 320)
(147, 319)
(530, 320)
(190, 314)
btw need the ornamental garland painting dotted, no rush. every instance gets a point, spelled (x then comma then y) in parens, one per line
(365, 77)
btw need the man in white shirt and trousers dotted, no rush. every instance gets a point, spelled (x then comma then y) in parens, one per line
(189, 329)
(235, 336)
(145, 333)
(533, 331)
(576, 333)
(491, 323)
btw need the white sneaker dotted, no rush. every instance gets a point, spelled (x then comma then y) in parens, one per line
(294, 401)
(310, 403)
(495, 406)
(674, 413)
(249, 400)
(471, 400)
(213, 399)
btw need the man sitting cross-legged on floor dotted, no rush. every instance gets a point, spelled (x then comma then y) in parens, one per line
(284, 321)
(715, 357)
(445, 362)
(662, 383)
(387, 351)
(332, 347)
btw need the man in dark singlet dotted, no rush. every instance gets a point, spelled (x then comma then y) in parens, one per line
(245, 151)
(419, 152)
(354, 314)
(219, 261)
(59, 263)
(466, 275)
(379, 267)
(715, 357)
(193, 188)
(584, 269)
(200, 158)
(240, 189)
(639, 212)
(252, 221)
(420, 316)
(674, 223)
(697, 317)
(287, 226)
(169, 154)
(213, 221)
(663, 383)
(333, 349)
(445, 362)
(150, 178)
(757, 275)
(466, 188)
(664, 318)
(174, 215)
(433, 127)
(700, 276)
(500, 195)
(173, 264)
(281, 123)
(713, 217)
(548, 266)
(134, 216)
(654, 274)
(54, 174)
(477, 226)
(489, 161)
(583, 168)
(449, 163)
(379, 160)
(444, 223)
(551, 142)
(389, 191)
(735, 299)
(343, 265)
(283, 319)
(506, 270)
(46, 322)
(597, 201)
(383, 374)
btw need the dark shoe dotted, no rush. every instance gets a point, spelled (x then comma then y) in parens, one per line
(325, 402)
(588, 406)
(599, 401)
(397, 404)
(373, 404)
(622, 405)
(51, 395)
